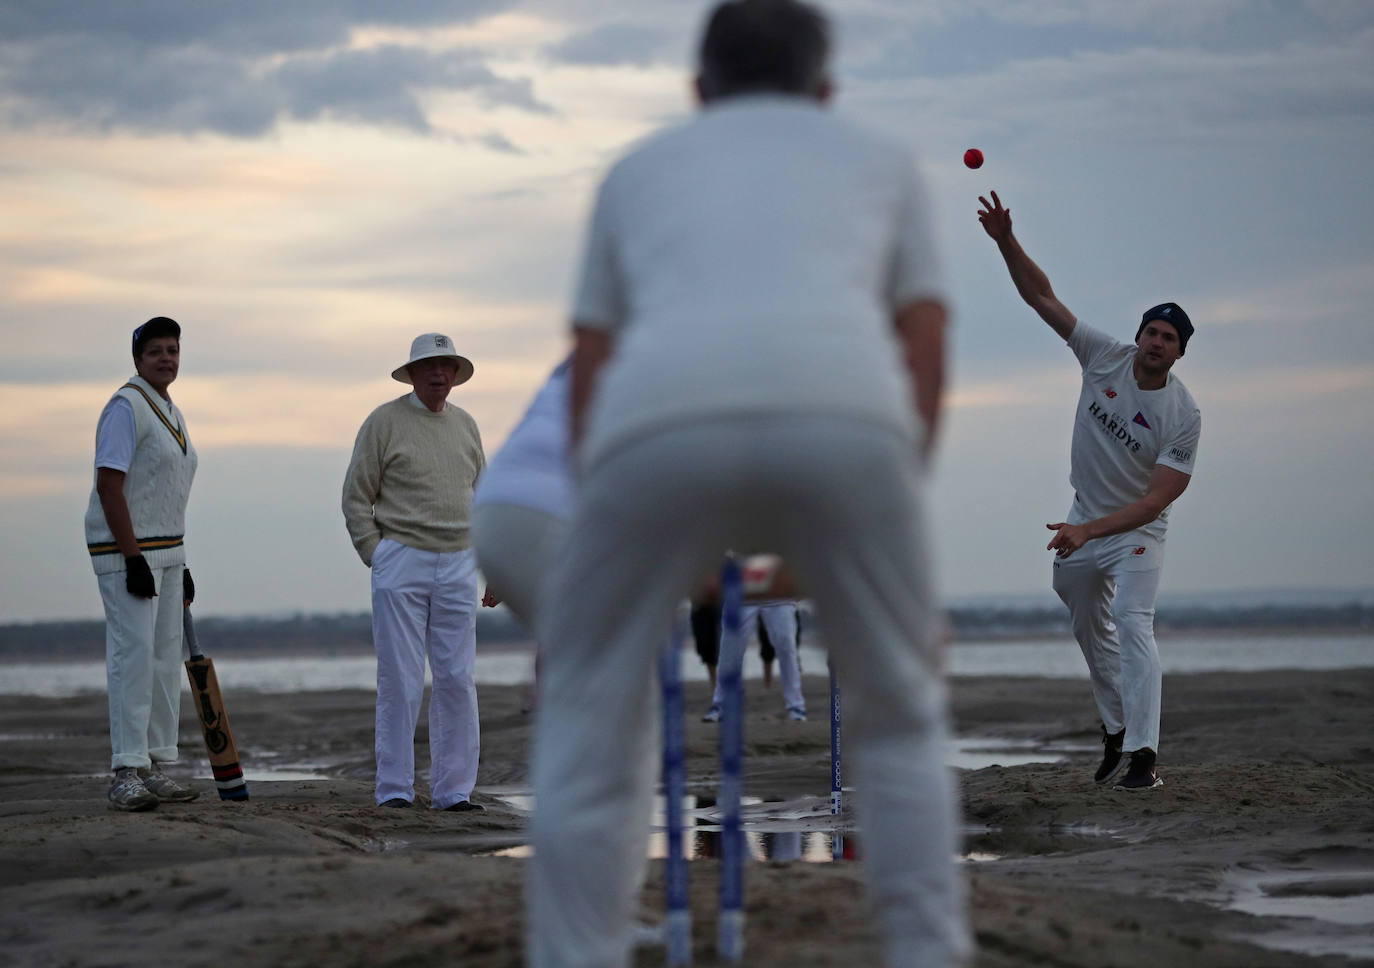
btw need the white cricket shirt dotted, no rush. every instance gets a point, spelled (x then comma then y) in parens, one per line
(1121, 432)
(750, 262)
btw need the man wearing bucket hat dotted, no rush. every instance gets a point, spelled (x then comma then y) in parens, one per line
(1135, 441)
(407, 501)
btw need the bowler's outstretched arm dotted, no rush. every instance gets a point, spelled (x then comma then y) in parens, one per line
(1031, 282)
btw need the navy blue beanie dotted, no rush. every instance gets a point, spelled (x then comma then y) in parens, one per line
(1173, 314)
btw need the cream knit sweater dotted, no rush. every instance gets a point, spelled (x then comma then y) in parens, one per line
(411, 478)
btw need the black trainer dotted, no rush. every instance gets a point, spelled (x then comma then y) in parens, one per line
(398, 802)
(1111, 755)
(463, 806)
(1141, 775)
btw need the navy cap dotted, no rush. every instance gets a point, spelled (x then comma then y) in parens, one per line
(1173, 314)
(154, 328)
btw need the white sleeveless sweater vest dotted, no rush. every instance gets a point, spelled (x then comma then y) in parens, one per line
(156, 486)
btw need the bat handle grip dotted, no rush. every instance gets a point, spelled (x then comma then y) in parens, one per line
(188, 628)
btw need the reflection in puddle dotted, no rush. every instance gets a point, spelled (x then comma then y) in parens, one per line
(1335, 909)
(980, 752)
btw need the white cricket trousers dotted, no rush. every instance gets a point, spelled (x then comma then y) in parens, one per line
(424, 603)
(780, 620)
(839, 500)
(515, 548)
(143, 670)
(1110, 586)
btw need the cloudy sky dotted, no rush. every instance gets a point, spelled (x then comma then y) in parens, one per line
(307, 186)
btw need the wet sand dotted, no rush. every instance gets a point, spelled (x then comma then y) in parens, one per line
(1269, 787)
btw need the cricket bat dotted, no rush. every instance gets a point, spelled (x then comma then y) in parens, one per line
(214, 718)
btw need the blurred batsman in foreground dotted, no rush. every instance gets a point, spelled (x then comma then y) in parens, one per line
(758, 359)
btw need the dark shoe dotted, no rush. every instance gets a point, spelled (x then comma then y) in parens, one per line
(1141, 775)
(399, 802)
(463, 806)
(1111, 755)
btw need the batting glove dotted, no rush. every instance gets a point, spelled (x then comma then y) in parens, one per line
(138, 579)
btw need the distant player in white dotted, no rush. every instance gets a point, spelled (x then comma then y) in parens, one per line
(1135, 440)
(775, 618)
(759, 324)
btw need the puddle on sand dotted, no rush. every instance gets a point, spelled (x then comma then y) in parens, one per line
(980, 752)
(776, 846)
(1323, 912)
(965, 753)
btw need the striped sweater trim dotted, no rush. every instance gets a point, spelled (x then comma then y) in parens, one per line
(177, 433)
(144, 544)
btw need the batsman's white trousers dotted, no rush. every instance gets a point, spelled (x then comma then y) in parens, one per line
(424, 603)
(143, 669)
(839, 499)
(780, 619)
(1110, 585)
(515, 548)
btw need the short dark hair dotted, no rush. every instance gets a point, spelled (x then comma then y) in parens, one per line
(154, 328)
(753, 46)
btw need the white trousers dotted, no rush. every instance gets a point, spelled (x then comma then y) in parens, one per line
(515, 548)
(780, 620)
(1110, 586)
(143, 670)
(651, 519)
(424, 603)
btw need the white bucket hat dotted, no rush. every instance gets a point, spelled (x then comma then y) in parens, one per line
(431, 345)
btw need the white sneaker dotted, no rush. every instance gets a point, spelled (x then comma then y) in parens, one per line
(127, 791)
(713, 714)
(163, 787)
(796, 714)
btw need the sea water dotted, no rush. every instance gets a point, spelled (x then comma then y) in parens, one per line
(503, 666)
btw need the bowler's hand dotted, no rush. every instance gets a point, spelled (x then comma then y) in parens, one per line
(489, 600)
(996, 219)
(1068, 538)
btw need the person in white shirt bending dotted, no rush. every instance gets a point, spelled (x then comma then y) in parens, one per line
(758, 363)
(1135, 439)
(407, 500)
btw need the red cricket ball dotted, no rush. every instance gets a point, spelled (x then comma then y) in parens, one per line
(973, 158)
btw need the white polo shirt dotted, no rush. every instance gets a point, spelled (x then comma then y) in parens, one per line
(1121, 432)
(750, 262)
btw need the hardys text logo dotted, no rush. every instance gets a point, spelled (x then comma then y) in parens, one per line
(1115, 425)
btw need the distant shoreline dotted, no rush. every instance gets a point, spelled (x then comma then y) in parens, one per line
(502, 644)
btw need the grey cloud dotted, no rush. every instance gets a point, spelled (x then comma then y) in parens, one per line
(232, 69)
(620, 44)
(245, 26)
(378, 85)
